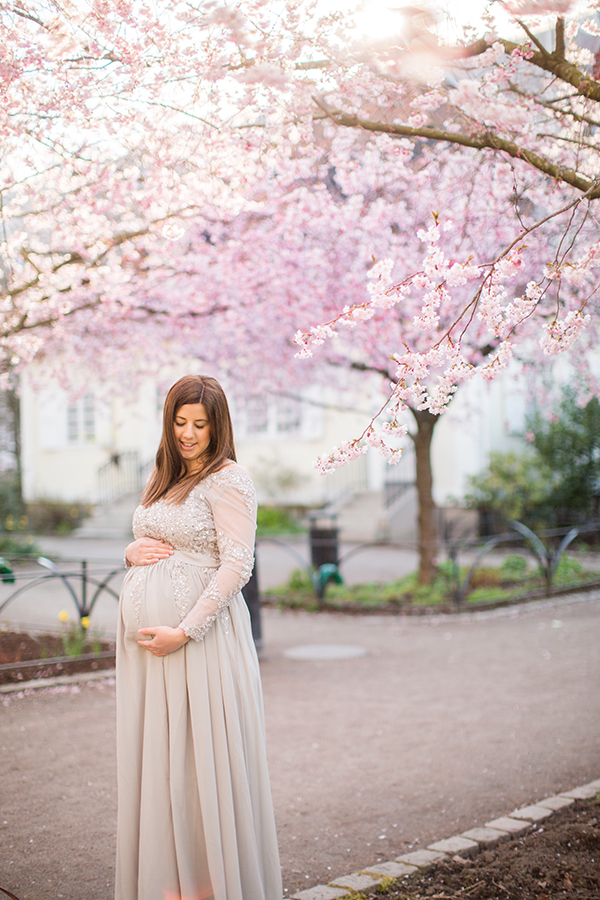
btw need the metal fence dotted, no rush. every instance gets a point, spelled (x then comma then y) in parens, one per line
(83, 581)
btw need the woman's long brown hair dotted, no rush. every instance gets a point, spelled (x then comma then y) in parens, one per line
(170, 473)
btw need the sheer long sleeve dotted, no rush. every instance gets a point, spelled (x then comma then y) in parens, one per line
(233, 503)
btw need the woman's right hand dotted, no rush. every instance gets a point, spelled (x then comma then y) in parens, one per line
(146, 551)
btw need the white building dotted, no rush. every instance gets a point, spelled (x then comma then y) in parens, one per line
(97, 447)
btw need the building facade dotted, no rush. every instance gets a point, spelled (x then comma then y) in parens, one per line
(95, 446)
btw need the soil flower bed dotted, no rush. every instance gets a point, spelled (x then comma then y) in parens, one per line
(516, 580)
(558, 860)
(24, 657)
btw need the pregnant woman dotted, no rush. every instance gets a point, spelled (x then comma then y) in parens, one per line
(195, 818)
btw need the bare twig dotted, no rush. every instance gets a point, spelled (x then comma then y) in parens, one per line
(559, 41)
(532, 37)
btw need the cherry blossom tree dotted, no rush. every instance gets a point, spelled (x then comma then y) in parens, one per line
(123, 124)
(373, 202)
(531, 106)
(182, 179)
(504, 99)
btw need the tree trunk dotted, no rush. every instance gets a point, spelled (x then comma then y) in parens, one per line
(14, 410)
(427, 520)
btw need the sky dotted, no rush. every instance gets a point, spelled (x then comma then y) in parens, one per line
(381, 18)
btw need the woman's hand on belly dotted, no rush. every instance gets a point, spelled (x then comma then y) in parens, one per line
(146, 551)
(164, 639)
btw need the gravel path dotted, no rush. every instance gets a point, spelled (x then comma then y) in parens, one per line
(443, 723)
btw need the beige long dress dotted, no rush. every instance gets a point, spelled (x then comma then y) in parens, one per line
(195, 817)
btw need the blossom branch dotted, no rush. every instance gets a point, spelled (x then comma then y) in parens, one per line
(487, 140)
(370, 437)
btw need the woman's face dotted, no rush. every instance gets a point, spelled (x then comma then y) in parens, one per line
(192, 433)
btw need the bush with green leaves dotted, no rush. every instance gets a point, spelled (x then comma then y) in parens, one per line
(556, 481)
(277, 520)
(568, 444)
(56, 517)
(514, 486)
(18, 546)
(11, 504)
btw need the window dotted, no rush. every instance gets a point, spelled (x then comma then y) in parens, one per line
(267, 417)
(72, 423)
(89, 431)
(80, 420)
(257, 416)
(288, 416)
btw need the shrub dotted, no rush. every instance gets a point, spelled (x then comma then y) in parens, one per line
(277, 520)
(11, 504)
(514, 568)
(18, 546)
(569, 444)
(555, 482)
(513, 486)
(299, 581)
(55, 517)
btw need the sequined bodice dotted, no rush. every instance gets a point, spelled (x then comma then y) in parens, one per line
(186, 526)
(216, 521)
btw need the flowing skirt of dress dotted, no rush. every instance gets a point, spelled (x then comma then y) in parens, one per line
(195, 816)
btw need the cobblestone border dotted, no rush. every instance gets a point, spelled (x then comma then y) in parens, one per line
(467, 843)
(22, 686)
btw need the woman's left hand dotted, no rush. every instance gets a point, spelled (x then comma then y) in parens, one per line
(165, 639)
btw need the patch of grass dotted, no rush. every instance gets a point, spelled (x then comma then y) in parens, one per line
(514, 567)
(569, 570)
(299, 592)
(489, 583)
(489, 593)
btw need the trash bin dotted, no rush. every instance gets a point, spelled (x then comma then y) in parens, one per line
(324, 545)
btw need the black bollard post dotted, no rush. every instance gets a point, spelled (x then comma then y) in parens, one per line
(252, 598)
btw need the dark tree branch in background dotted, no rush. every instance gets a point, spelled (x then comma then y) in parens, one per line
(487, 140)
(559, 43)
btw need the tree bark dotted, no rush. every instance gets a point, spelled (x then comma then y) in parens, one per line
(488, 139)
(427, 520)
(14, 411)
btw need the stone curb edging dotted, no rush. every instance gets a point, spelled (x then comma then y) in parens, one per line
(468, 843)
(19, 686)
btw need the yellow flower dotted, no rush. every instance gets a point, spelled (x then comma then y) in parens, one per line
(85, 622)
(63, 615)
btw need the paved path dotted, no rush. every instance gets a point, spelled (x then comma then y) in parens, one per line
(443, 723)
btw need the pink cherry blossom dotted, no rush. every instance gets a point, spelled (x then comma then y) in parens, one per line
(239, 182)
